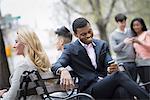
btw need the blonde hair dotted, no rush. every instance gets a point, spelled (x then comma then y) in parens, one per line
(33, 48)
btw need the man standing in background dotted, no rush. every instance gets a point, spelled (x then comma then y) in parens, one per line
(121, 44)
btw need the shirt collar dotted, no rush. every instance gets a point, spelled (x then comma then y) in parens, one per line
(83, 44)
(125, 30)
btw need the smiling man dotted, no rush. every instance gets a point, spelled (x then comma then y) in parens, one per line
(89, 59)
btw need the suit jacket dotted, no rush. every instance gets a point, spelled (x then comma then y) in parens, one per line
(76, 57)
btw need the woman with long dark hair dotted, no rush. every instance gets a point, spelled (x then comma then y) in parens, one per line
(141, 43)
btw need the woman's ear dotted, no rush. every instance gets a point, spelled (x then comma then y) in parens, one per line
(62, 41)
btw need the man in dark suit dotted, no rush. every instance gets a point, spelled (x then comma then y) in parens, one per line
(89, 59)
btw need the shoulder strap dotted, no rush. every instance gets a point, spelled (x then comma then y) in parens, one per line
(24, 81)
(41, 85)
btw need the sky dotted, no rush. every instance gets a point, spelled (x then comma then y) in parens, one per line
(38, 14)
(35, 13)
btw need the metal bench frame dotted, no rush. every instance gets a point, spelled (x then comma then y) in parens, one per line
(45, 91)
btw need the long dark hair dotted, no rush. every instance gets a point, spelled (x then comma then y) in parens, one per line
(144, 28)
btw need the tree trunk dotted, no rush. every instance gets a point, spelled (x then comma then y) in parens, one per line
(4, 69)
(102, 29)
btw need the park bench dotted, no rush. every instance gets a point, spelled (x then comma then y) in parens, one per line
(46, 85)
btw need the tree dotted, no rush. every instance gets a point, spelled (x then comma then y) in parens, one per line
(138, 8)
(4, 69)
(97, 13)
(102, 12)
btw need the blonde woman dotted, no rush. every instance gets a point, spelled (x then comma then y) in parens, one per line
(28, 45)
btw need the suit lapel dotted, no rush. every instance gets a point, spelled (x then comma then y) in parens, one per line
(81, 51)
(97, 48)
(79, 48)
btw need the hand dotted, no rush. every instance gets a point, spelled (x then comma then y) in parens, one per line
(66, 80)
(128, 40)
(112, 68)
(135, 40)
(2, 91)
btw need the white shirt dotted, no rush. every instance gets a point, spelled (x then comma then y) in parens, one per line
(124, 32)
(91, 52)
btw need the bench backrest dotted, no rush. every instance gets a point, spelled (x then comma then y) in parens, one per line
(43, 84)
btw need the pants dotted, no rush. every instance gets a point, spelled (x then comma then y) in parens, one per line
(131, 69)
(121, 94)
(105, 88)
(144, 73)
